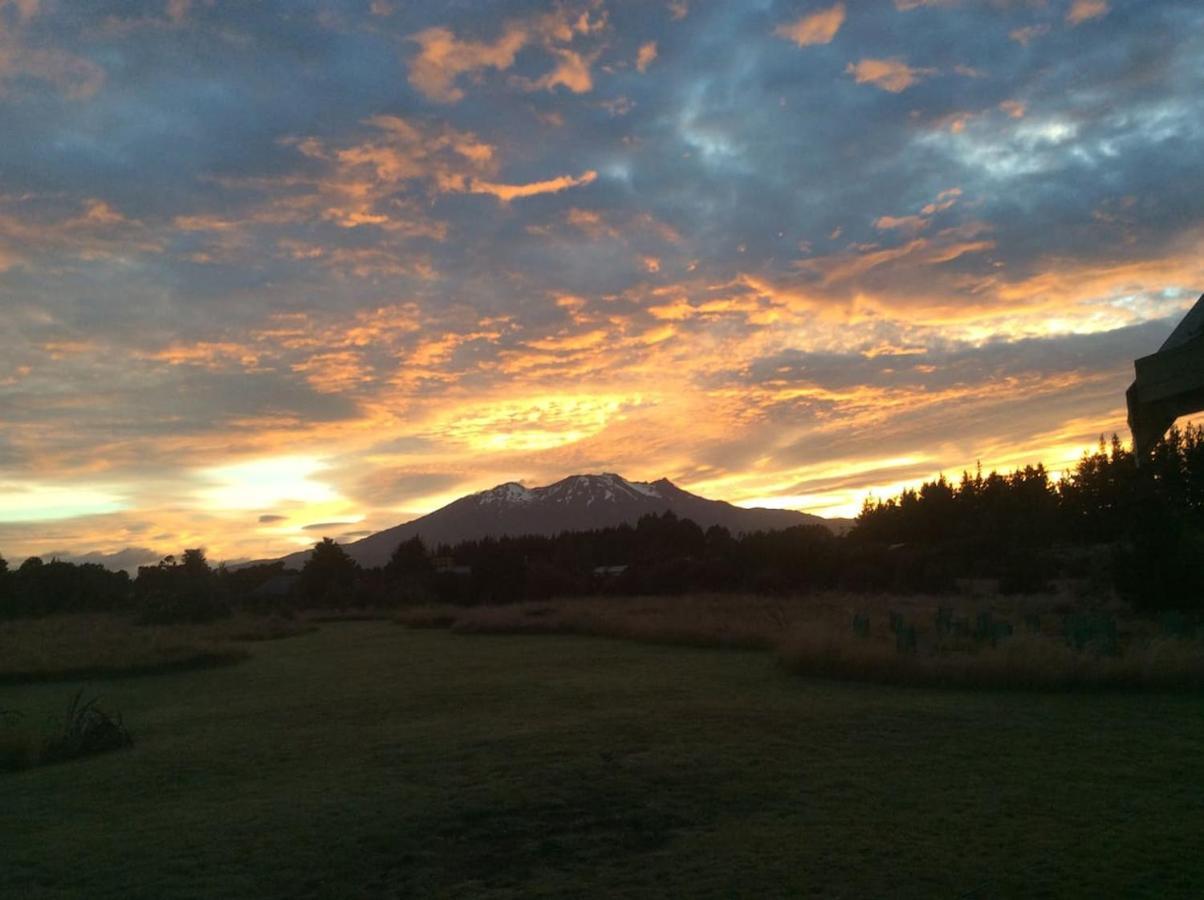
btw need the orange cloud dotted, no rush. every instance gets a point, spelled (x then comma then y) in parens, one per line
(1026, 35)
(1084, 10)
(891, 75)
(816, 28)
(442, 58)
(1014, 108)
(645, 57)
(572, 71)
(78, 77)
(508, 192)
(903, 223)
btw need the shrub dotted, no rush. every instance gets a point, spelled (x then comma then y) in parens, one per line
(87, 729)
(194, 608)
(861, 625)
(14, 744)
(1091, 631)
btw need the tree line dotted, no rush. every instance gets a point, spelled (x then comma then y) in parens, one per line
(1108, 523)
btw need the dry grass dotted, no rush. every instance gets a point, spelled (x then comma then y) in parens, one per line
(814, 636)
(747, 622)
(95, 646)
(1025, 661)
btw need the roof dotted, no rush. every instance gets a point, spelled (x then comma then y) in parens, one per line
(1190, 328)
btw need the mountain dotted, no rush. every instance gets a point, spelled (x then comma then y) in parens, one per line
(577, 503)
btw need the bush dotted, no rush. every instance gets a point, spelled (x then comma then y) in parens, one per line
(193, 608)
(87, 729)
(1092, 631)
(14, 744)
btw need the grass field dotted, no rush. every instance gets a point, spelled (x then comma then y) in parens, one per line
(370, 760)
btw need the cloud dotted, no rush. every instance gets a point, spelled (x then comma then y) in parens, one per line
(326, 526)
(572, 71)
(442, 58)
(508, 192)
(645, 57)
(271, 519)
(893, 75)
(177, 10)
(1084, 10)
(904, 223)
(77, 77)
(26, 9)
(1029, 33)
(816, 28)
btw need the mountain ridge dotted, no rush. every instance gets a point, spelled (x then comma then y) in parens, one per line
(574, 503)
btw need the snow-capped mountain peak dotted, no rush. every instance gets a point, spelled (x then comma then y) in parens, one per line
(510, 492)
(605, 488)
(576, 503)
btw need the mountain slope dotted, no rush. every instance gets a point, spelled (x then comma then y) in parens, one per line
(577, 503)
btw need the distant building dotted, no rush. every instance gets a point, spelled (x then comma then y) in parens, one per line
(446, 565)
(609, 571)
(277, 586)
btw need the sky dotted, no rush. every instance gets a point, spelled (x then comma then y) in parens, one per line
(277, 270)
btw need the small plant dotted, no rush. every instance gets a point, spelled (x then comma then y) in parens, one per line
(861, 625)
(1176, 625)
(897, 622)
(984, 627)
(14, 745)
(1032, 623)
(87, 729)
(1096, 631)
(905, 639)
(944, 620)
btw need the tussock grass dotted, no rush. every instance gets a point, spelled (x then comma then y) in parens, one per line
(16, 748)
(1013, 642)
(98, 646)
(748, 623)
(87, 729)
(1024, 661)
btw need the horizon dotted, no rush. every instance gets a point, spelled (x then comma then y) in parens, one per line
(268, 270)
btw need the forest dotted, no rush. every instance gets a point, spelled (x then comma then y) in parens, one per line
(1108, 526)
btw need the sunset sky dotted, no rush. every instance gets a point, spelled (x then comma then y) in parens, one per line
(271, 271)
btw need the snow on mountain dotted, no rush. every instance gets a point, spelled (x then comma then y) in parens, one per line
(576, 503)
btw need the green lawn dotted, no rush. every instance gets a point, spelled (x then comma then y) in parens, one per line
(366, 760)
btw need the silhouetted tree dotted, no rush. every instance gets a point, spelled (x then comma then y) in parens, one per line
(409, 561)
(185, 591)
(6, 589)
(39, 588)
(328, 576)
